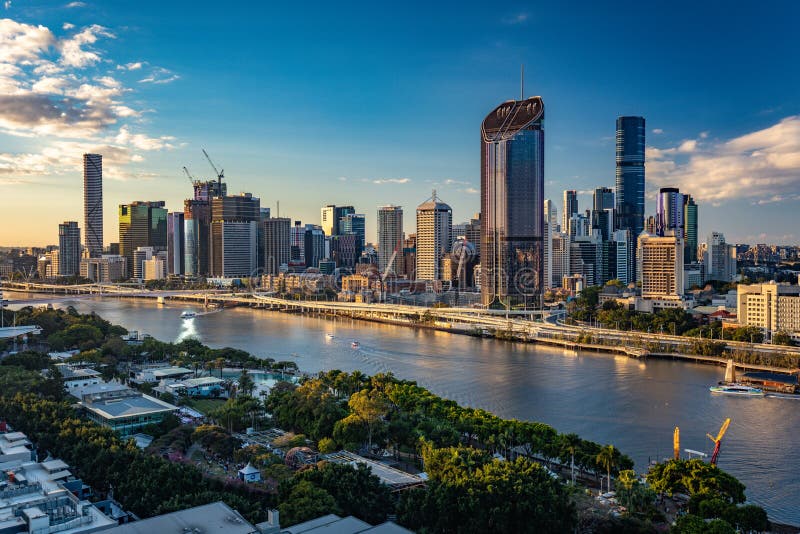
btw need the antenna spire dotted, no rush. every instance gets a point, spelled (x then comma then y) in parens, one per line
(522, 81)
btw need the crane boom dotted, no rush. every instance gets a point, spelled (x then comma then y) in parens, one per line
(718, 440)
(219, 174)
(189, 175)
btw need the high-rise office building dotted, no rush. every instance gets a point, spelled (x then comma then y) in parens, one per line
(69, 249)
(276, 243)
(330, 217)
(570, 208)
(669, 211)
(297, 246)
(560, 258)
(390, 237)
(551, 215)
(660, 266)
(690, 229)
(622, 256)
(141, 224)
(720, 258)
(176, 247)
(603, 199)
(196, 222)
(93, 203)
(586, 259)
(434, 237)
(234, 232)
(512, 204)
(630, 174)
(314, 243)
(354, 223)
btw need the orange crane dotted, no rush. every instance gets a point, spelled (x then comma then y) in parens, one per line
(718, 440)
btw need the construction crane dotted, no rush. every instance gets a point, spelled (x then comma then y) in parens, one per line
(219, 174)
(191, 178)
(718, 440)
(676, 443)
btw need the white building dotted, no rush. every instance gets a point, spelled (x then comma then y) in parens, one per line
(771, 307)
(434, 229)
(390, 237)
(720, 258)
(660, 266)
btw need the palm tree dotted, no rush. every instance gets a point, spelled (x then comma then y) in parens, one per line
(570, 444)
(606, 459)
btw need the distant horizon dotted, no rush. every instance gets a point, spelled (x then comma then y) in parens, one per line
(376, 106)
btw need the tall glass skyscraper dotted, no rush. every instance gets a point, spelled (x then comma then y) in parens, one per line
(690, 229)
(93, 203)
(512, 204)
(630, 174)
(141, 224)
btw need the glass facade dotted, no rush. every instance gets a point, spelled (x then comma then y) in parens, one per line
(512, 204)
(630, 174)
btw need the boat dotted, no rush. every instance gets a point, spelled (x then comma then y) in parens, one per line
(737, 389)
(355, 344)
(188, 315)
(329, 335)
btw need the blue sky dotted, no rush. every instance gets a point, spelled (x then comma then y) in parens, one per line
(369, 104)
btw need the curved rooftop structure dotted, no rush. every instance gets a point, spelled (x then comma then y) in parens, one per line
(510, 117)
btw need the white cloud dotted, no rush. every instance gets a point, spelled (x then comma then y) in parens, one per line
(74, 52)
(57, 96)
(471, 191)
(451, 181)
(762, 166)
(67, 26)
(160, 75)
(381, 181)
(130, 66)
(658, 131)
(76, 4)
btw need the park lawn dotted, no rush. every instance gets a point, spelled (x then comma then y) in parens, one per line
(205, 406)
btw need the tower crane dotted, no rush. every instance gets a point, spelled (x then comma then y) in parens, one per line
(219, 174)
(718, 440)
(191, 178)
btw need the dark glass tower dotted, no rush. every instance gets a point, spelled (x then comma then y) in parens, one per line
(512, 204)
(630, 174)
(93, 203)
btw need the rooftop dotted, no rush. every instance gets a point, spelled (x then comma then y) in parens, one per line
(206, 519)
(127, 406)
(165, 372)
(333, 524)
(390, 476)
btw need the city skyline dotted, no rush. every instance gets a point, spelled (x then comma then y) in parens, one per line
(151, 114)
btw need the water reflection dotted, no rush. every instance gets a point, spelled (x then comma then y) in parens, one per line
(610, 399)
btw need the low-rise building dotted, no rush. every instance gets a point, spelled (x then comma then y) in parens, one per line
(157, 374)
(76, 378)
(772, 307)
(205, 386)
(213, 517)
(124, 410)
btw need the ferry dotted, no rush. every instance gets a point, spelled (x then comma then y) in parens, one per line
(355, 344)
(188, 315)
(737, 389)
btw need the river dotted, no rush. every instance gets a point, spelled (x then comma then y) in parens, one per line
(632, 404)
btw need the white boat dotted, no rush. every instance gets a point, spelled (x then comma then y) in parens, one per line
(737, 389)
(355, 344)
(329, 336)
(188, 315)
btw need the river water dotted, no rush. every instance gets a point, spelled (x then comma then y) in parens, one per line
(632, 404)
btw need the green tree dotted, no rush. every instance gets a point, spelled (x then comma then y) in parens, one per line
(606, 459)
(369, 407)
(246, 384)
(304, 501)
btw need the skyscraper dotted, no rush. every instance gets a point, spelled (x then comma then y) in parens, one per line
(434, 229)
(512, 204)
(660, 266)
(234, 232)
(630, 174)
(276, 243)
(720, 258)
(93, 203)
(690, 229)
(176, 250)
(669, 212)
(354, 223)
(69, 248)
(603, 199)
(330, 217)
(141, 224)
(390, 237)
(551, 215)
(570, 208)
